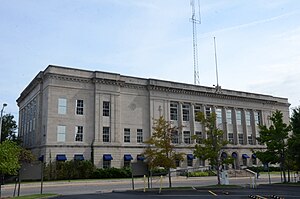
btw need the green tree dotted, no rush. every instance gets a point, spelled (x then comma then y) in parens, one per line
(210, 148)
(9, 128)
(275, 137)
(161, 152)
(294, 140)
(9, 157)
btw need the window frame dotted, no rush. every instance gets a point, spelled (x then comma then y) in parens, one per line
(79, 107)
(185, 112)
(79, 134)
(126, 135)
(61, 131)
(174, 111)
(106, 108)
(62, 106)
(106, 134)
(139, 136)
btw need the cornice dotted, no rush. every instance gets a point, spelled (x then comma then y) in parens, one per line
(210, 94)
(67, 78)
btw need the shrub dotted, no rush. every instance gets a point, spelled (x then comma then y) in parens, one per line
(112, 173)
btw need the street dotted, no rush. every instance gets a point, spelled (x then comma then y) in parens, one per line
(106, 186)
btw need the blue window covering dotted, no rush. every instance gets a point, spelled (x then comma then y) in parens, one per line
(107, 157)
(190, 156)
(78, 157)
(128, 157)
(61, 157)
(224, 155)
(140, 157)
(254, 156)
(245, 156)
(234, 155)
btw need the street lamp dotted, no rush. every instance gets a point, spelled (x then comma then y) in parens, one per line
(3, 106)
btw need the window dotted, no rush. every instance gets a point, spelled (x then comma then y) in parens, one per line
(219, 117)
(106, 164)
(229, 116)
(126, 135)
(254, 161)
(79, 134)
(207, 111)
(199, 136)
(139, 136)
(62, 106)
(189, 162)
(79, 107)
(250, 140)
(230, 138)
(257, 118)
(61, 133)
(106, 107)
(186, 112)
(177, 163)
(241, 138)
(106, 134)
(239, 117)
(187, 137)
(127, 163)
(197, 110)
(173, 110)
(248, 118)
(175, 138)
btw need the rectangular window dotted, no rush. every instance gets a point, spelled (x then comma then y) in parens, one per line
(248, 118)
(219, 117)
(175, 137)
(199, 136)
(79, 134)
(106, 134)
(197, 110)
(61, 133)
(250, 140)
(241, 138)
(106, 164)
(173, 110)
(207, 111)
(189, 162)
(186, 112)
(126, 135)
(230, 138)
(79, 107)
(229, 116)
(106, 108)
(177, 163)
(187, 137)
(139, 136)
(257, 118)
(239, 117)
(62, 106)
(127, 163)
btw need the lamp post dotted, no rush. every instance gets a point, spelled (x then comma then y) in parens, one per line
(3, 106)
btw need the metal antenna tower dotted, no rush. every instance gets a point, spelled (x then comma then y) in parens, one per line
(195, 21)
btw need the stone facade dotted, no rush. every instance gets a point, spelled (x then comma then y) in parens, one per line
(67, 111)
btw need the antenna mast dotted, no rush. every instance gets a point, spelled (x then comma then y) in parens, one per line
(217, 75)
(218, 88)
(195, 21)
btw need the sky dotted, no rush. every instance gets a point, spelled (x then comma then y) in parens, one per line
(257, 42)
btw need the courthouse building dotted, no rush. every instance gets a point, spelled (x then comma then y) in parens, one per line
(67, 113)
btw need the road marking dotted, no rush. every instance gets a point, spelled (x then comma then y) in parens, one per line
(261, 197)
(212, 193)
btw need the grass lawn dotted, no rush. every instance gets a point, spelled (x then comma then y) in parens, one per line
(36, 196)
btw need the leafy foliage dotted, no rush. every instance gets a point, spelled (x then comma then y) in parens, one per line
(9, 157)
(294, 140)
(9, 128)
(161, 152)
(212, 146)
(69, 170)
(275, 137)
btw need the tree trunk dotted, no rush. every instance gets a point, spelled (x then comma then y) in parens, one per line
(170, 181)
